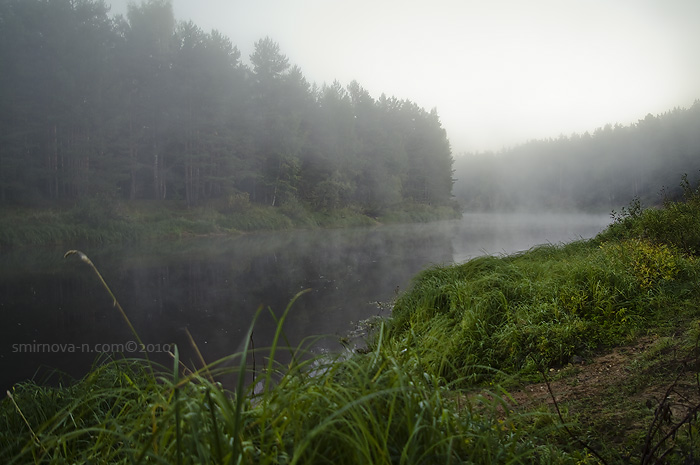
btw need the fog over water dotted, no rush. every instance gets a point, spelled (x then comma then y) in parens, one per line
(213, 286)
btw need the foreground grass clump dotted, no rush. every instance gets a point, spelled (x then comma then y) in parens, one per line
(529, 311)
(366, 409)
(317, 409)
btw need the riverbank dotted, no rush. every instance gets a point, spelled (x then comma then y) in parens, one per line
(105, 221)
(435, 381)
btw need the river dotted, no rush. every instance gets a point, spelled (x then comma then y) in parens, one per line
(58, 318)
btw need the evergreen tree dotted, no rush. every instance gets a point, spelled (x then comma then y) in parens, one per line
(144, 107)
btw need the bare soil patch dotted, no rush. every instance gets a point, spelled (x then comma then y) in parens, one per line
(587, 379)
(618, 396)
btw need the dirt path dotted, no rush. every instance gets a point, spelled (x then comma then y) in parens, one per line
(618, 396)
(588, 379)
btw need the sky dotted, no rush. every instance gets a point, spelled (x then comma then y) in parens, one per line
(499, 72)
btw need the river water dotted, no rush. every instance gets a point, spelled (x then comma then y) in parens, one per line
(58, 317)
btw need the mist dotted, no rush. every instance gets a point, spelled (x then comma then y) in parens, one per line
(140, 103)
(148, 108)
(499, 73)
(213, 287)
(602, 170)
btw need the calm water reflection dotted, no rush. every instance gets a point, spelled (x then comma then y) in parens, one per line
(214, 286)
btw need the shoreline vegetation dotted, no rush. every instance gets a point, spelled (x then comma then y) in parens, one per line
(153, 112)
(101, 220)
(434, 383)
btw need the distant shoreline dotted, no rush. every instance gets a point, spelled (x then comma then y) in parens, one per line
(97, 223)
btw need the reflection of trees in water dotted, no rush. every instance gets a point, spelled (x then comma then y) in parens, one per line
(214, 286)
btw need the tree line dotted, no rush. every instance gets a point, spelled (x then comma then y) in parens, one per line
(605, 169)
(146, 107)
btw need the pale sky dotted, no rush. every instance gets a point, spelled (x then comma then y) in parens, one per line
(499, 72)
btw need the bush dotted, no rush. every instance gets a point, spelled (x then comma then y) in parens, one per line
(677, 224)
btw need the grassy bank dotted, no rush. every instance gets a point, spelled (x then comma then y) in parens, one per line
(105, 221)
(429, 388)
(556, 302)
(317, 409)
(544, 307)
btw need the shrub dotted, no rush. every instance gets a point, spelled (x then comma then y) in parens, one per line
(677, 224)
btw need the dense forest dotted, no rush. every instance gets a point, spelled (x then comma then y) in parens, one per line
(598, 171)
(146, 107)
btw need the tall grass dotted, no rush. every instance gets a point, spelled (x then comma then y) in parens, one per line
(343, 409)
(362, 410)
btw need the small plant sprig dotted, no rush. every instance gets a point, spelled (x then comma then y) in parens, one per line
(634, 210)
(663, 414)
(36, 439)
(85, 259)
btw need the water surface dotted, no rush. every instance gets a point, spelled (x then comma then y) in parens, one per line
(57, 315)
